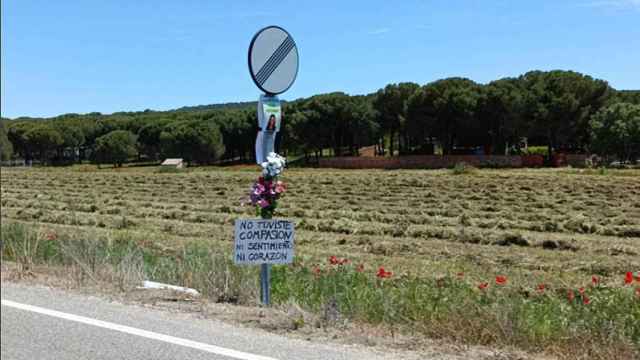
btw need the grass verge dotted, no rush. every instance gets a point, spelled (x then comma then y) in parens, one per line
(597, 322)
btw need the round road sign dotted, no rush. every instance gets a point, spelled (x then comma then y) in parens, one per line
(273, 60)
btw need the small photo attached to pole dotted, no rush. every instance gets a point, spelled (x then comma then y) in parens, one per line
(269, 118)
(273, 65)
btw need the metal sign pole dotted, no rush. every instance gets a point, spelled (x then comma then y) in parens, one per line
(265, 284)
(273, 65)
(265, 281)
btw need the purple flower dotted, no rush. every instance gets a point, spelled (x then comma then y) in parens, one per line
(254, 198)
(258, 189)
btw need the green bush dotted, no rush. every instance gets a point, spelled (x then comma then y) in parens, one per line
(537, 150)
(463, 169)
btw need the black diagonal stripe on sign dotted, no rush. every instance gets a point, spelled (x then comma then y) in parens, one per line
(269, 63)
(275, 60)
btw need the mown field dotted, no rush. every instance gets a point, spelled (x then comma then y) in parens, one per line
(560, 226)
(430, 229)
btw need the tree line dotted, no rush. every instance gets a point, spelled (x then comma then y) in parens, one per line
(562, 110)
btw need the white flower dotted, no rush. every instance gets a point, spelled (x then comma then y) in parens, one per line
(273, 166)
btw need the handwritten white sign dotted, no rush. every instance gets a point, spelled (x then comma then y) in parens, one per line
(263, 241)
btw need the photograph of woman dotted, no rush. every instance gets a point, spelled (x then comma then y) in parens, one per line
(271, 124)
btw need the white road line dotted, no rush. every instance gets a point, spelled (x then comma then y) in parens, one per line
(139, 332)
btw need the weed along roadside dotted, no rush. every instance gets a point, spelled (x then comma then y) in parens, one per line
(497, 311)
(451, 262)
(357, 268)
(594, 312)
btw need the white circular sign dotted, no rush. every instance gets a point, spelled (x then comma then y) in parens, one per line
(273, 60)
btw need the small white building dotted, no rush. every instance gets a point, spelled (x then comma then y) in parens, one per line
(173, 163)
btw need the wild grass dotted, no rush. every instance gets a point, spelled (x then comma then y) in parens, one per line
(493, 312)
(125, 262)
(557, 227)
(452, 307)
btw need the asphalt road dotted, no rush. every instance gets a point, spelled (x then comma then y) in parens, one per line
(43, 323)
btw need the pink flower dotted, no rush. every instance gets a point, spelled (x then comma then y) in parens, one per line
(280, 187)
(263, 203)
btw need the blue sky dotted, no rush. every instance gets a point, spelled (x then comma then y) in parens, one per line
(82, 56)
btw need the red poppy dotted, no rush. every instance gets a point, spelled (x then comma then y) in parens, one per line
(483, 285)
(344, 261)
(360, 268)
(541, 287)
(628, 279)
(581, 290)
(316, 271)
(333, 260)
(501, 280)
(586, 300)
(571, 295)
(594, 280)
(460, 274)
(382, 273)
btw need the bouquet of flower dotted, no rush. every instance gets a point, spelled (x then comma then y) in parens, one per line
(273, 166)
(268, 189)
